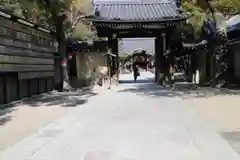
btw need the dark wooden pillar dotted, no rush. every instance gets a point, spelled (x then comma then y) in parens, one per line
(115, 52)
(109, 59)
(157, 58)
(160, 48)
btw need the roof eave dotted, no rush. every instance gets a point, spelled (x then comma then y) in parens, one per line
(138, 21)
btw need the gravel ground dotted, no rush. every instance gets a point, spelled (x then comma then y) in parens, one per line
(221, 112)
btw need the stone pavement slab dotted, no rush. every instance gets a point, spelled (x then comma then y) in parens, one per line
(23, 118)
(124, 125)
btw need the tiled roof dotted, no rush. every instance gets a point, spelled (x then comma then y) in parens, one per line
(138, 10)
(233, 24)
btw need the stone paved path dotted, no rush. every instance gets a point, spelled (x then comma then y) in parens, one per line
(128, 122)
(23, 118)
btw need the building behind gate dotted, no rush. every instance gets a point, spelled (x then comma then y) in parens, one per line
(86, 59)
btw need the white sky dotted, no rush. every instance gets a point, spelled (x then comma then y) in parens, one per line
(130, 44)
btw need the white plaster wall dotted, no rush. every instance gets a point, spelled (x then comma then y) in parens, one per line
(86, 62)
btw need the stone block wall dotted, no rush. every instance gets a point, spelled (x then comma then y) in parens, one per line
(26, 59)
(12, 89)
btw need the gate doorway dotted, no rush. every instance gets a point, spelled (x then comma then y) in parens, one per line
(138, 53)
(132, 19)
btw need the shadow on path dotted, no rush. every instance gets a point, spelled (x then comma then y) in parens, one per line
(4, 115)
(150, 80)
(233, 138)
(61, 99)
(182, 91)
(52, 99)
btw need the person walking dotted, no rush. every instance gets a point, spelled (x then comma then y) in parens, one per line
(135, 72)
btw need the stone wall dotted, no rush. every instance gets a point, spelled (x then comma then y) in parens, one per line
(26, 59)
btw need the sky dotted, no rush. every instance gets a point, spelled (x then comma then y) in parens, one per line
(128, 45)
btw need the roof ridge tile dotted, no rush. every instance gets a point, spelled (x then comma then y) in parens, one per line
(139, 10)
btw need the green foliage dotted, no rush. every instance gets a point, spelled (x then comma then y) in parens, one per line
(48, 13)
(228, 7)
(197, 18)
(69, 12)
(12, 6)
(25, 9)
(123, 55)
(207, 9)
(96, 38)
(82, 32)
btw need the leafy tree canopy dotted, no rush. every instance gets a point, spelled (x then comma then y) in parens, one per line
(200, 12)
(45, 12)
(48, 12)
(228, 7)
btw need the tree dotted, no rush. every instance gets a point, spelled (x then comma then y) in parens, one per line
(12, 6)
(123, 56)
(83, 32)
(197, 18)
(228, 7)
(63, 16)
(25, 9)
(208, 9)
(218, 10)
